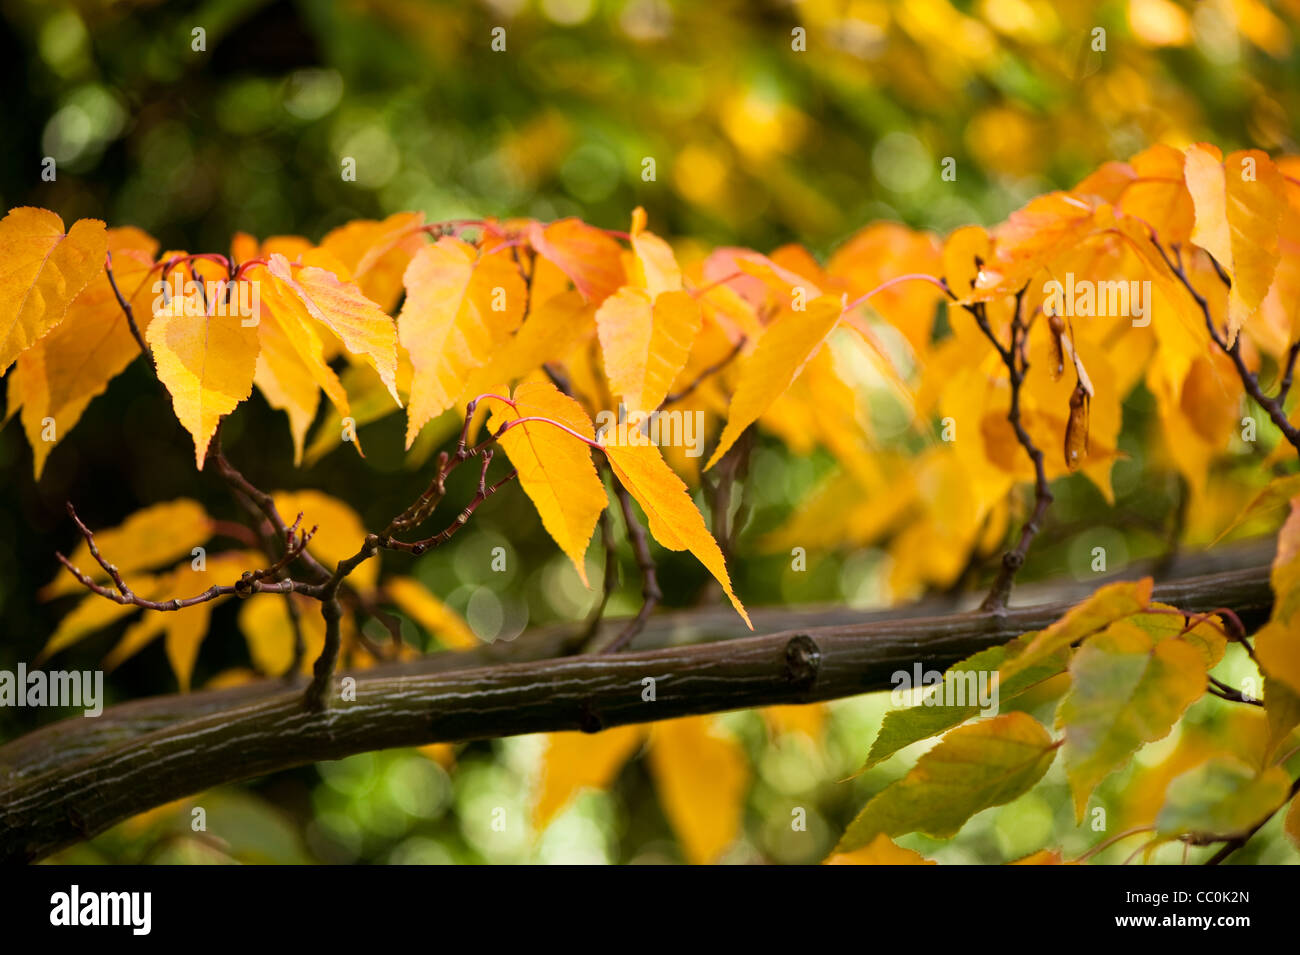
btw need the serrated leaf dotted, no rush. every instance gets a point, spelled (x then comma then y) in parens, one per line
(555, 468)
(362, 326)
(786, 346)
(902, 728)
(646, 343)
(448, 323)
(44, 270)
(1126, 689)
(674, 520)
(1110, 603)
(974, 767)
(207, 364)
(1222, 797)
(584, 253)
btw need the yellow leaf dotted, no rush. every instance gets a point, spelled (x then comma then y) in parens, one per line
(418, 603)
(359, 323)
(806, 718)
(92, 345)
(584, 253)
(268, 630)
(1238, 205)
(44, 270)
(339, 531)
(701, 777)
(880, 851)
(149, 538)
(573, 762)
(674, 520)
(646, 343)
(555, 469)
(94, 613)
(1278, 647)
(376, 253)
(786, 346)
(553, 329)
(1110, 603)
(655, 266)
(207, 363)
(459, 307)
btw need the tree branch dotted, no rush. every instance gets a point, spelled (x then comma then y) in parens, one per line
(55, 789)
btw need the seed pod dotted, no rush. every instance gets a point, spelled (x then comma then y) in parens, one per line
(1056, 325)
(1076, 430)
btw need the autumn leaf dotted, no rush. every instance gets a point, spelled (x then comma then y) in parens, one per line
(646, 343)
(1126, 689)
(359, 323)
(674, 520)
(1222, 797)
(1238, 216)
(974, 767)
(573, 762)
(339, 531)
(701, 775)
(459, 306)
(584, 253)
(1110, 603)
(555, 468)
(880, 851)
(902, 728)
(45, 269)
(207, 364)
(786, 346)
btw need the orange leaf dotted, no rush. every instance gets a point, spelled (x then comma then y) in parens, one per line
(584, 253)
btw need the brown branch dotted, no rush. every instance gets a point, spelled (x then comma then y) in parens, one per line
(650, 593)
(609, 582)
(74, 779)
(1271, 406)
(1017, 365)
(1232, 845)
(125, 305)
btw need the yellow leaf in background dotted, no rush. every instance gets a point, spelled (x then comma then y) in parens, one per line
(555, 468)
(74, 363)
(1109, 603)
(880, 851)
(655, 266)
(149, 538)
(1042, 857)
(1222, 797)
(963, 252)
(94, 613)
(1238, 216)
(806, 718)
(363, 328)
(701, 776)
(459, 307)
(1159, 196)
(786, 346)
(584, 253)
(646, 343)
(1277, 646)
(44, 270)
(207, 364)
(674, 520)
(573, 762)
(339, 531)
(268, 630)
(420, 604)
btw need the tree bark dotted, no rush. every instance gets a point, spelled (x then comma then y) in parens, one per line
(77, 778)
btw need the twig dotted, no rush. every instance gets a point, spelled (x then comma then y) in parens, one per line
(650, 593)
(1232, 845)
(125, 305)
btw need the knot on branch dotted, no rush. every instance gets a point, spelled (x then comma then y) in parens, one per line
(803, 660)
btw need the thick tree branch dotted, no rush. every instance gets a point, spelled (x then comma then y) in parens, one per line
(51, 798)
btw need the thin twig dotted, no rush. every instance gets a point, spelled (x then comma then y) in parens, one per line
(650, 593)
